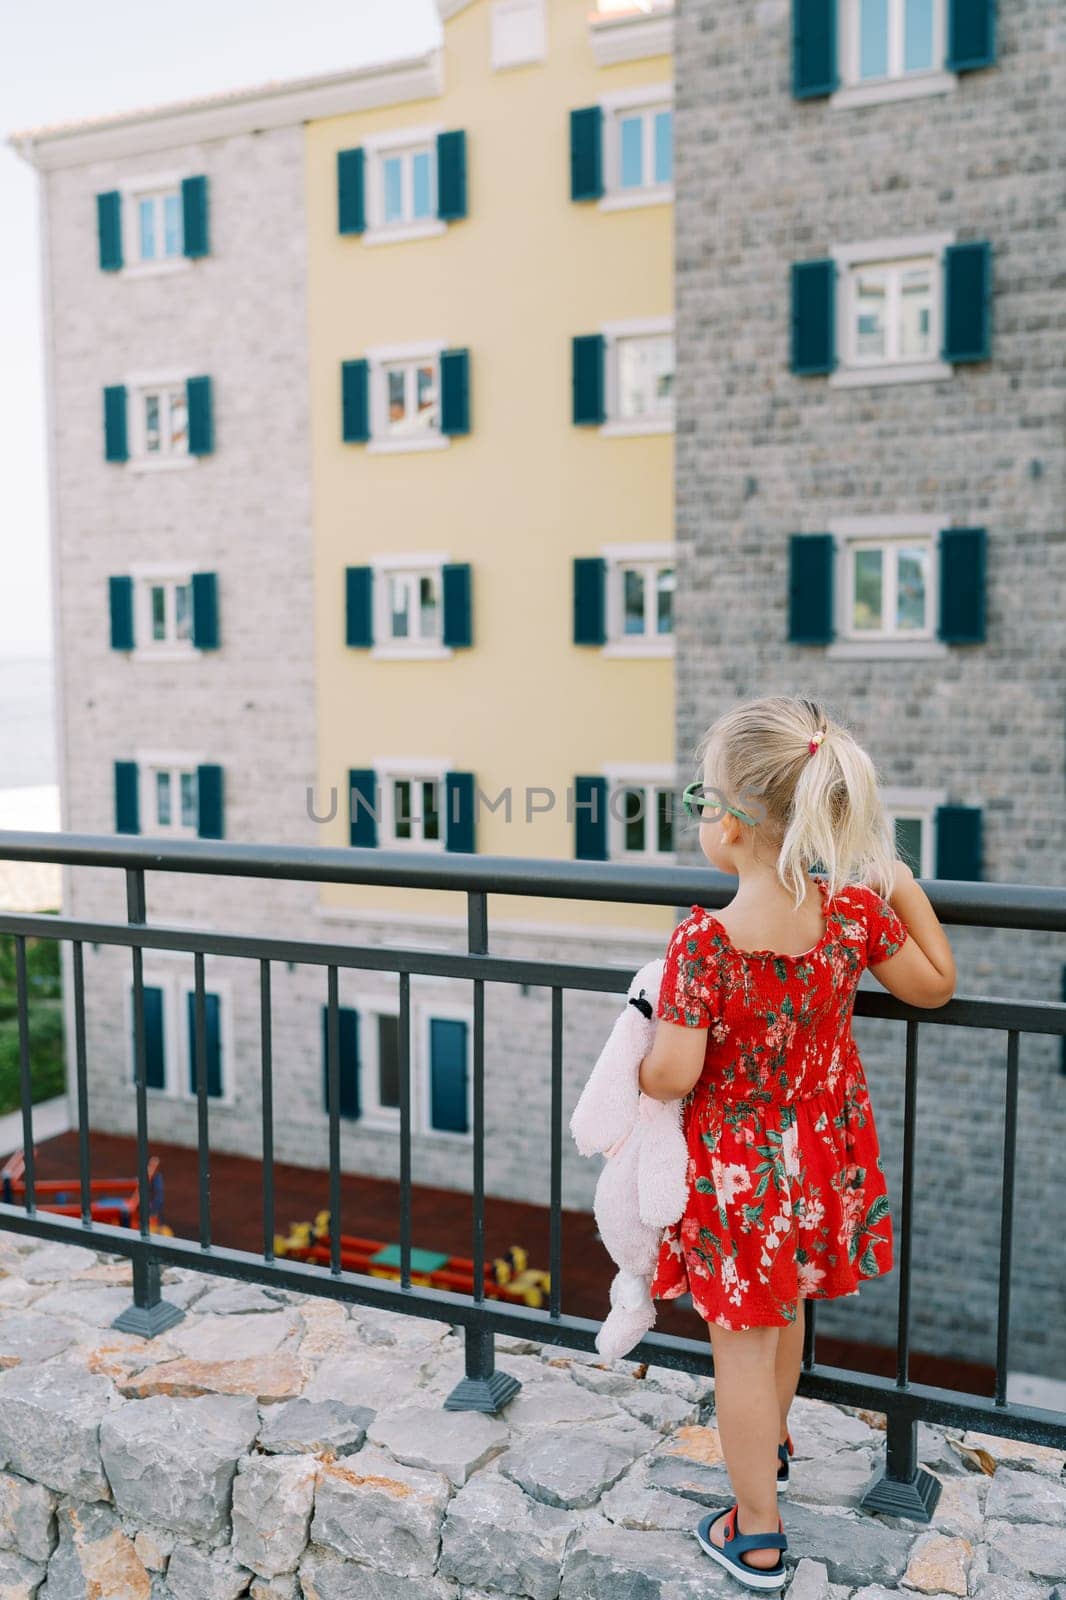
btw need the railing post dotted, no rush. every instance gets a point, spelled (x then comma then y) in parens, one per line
(904, 1489)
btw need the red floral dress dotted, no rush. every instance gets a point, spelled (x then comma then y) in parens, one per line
(787, 1193)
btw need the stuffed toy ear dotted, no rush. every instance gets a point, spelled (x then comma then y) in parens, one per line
(607, 1108)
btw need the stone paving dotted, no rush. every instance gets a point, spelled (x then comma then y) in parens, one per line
(285, 1448)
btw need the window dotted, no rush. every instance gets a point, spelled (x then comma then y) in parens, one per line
(638, 148)
(161, 421)
(170, 1034)
(369, 1040)
(158, 227)
(402, 180)
(411, 395)
(638, 377)
(889, 589)
(174, 800)
(890, 311)
(640, 582)
(406, 186)
(641, 814)
(167, 611)
(912, 817)
(891, 38)
(519, 33)
(412, 806)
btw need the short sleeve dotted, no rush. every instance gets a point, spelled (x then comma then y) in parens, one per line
(886, 932)
(688, 990)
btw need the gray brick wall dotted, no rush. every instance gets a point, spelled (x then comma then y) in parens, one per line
(764, 180)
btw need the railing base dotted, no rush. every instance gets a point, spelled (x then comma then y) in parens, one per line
(147, 1321)
(914, 1497)
(482, 1394)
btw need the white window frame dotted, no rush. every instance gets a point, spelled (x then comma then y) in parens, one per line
(377, 148)
(377, 1118)
(176, 984)
(145, 578)
(536, 51)
(372, 1113)
(380, 359)
(647, 100)
(131, 192)
(389, 768)
(426, 1012)
(149, 762)
(920, 805)
(848, 532)
(614, 333)
(618, 557)
(898, 85)
(646, 776)
(418, 565)
(851, 372)
(138, 385)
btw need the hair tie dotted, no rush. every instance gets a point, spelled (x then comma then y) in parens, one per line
(815, 741)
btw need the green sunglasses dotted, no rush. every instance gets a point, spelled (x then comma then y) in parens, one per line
(695, 802)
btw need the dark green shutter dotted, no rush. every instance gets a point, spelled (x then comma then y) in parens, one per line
(194, 217)
(155, 1047)
(968, 302)
(458, 614)
(116, 445)
(109, 230)
(454, 392)
(586, 153)
(958, 842)
(971, 34)
(358, 607)
(810, 588)
(813, 316)
(351, 195)
(451, 175)
(448, 1075)
(201, 421)
(362, 808)
(588, 382)
(590, 600)
(460, 794)
(348, 1061)
(814, 48)
(355, 402)
(205, 610)
(962, 583)
(213, 1031)
(120, 594)
(127, 801)
(209, 803)
(590, 819)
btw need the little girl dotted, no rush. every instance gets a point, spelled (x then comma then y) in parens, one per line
(787, 1194)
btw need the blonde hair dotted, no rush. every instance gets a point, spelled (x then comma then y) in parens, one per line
(823, 808)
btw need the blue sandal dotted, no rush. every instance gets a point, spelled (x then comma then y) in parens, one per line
(784, 1452)
(731, 1554)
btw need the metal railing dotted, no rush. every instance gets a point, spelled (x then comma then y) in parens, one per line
(902, 1488)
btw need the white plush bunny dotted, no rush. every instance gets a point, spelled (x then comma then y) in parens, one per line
(643, 1185)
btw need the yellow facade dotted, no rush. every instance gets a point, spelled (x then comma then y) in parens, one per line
(526, 491)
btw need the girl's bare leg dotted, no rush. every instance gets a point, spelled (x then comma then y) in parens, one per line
(748, 1415)
(788, 1364)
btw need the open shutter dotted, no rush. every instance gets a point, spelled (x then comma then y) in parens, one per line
(590, 600)
(810, 588)
(201, 420)
(109, 230)
(194, 217)
(454, 392)
(451, 175)
(589, 386)
(813, 317)
(127, 805)
(213, 1031)
(351, 191)
(120, 594)
(355, 402)
(358, 607)
(814, 48)
(209, 793)
(459, 800)
(458, 631)
(448, 1075)
(116, 444)
(205, 610)
(155, 1048)
(962, 584)
(590, 819)
(347, 1059)
(586, 153)
(958, 842)
(968, 302)
(362, 808)
(971, 35)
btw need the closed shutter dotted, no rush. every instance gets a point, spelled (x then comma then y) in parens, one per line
(205, 610)
(588, 381)
(194, 217)
(347, 1060)
(209, 801)
(962, 584)
(451, 176)
(455, 392)
(358, 607)
(810, 588)
(351, 191)
(109, 230)
(458, 631)
(590, 818)
(155, 1047)
(586, 153)
(201, 419)
(213, 1032)
(814, 48)
(968, 302)
(120, 595)
(127, 800)
(590, 600)
(813, 317)
(355, 402)
(116, 444)
(362, 805)
(448, 1075)
(460, 793)
(958, 843)
(971, 34)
